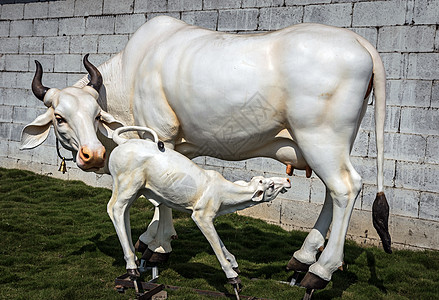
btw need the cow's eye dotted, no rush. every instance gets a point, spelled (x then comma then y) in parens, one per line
(59, 119)
(98, 118)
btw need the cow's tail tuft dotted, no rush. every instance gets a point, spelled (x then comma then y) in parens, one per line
(120, 140)
(380, 208)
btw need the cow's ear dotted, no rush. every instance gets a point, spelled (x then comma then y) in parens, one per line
(258, 196)
(35, 133)
(108, 124)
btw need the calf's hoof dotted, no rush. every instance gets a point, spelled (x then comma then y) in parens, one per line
(312, 281)
(154, 258)
(236, 282)
(295, 265)
(133, 273)
(237, 270)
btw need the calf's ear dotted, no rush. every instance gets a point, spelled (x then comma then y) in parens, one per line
(108, 124)
(35, 133)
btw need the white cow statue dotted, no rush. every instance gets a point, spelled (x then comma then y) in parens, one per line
(142, 167)
(297, 95)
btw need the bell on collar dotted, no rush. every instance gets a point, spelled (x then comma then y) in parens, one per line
(62, 167)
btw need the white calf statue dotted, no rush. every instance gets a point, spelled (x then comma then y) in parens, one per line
(166, 177)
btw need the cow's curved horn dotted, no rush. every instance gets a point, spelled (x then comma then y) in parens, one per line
(38, 88)
(95, 75)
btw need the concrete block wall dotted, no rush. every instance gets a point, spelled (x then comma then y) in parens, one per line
(405, 32)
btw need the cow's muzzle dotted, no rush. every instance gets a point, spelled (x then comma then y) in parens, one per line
(91, 158)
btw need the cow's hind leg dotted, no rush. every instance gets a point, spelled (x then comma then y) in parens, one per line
(331, 163)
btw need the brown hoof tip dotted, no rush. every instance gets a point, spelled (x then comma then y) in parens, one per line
(295, 265)
(133, 273)
(153, 258)
(234, 280)
(311, 281)
(237, 270)
(140, 246)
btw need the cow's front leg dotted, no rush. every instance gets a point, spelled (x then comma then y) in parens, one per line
(314, 242)
(205, 223)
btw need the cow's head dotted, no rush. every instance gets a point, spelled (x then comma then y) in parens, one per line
(75, 116)
(268, 188)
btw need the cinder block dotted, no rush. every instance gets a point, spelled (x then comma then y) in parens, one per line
(4, 28)
(370, 34)
(398, 146)
(141, 6)
(104, 181)
(234, 174)
(68, 63)
(72, 26)
(74, 173)
(100, 25)
(205, 19)
(306, 2)
(415, 232)
(419, 121)
(47, 27)
(45, 154)
(263, 164)
(84, 44)
(73, 78)
(424, 177)
(331, 14)
(175, 15)
(3, 148)
(361, 144)
(129, 23)
(2, 62)
(300, 188)
(394, 65)
(428, 208)
(23, 115)
(8, 163)
(184, 5)
(432, 155)
(46, 61)
(435, 94)
(24, 80)
(299, 215)
(21, 28)
(24, 164)
(221, 4)
(9, 45)
(361, 229)
(379, 13)
(402, 202)
(112, 43)
(6, 113)
(30, 45)
(261, 3)
(8, 79)
(200, 160)
(118, 6)
(12, 11)
(393, 116)
(426, 12)
(62, 9)
(406, 38)
(58, 80)
(409, 92)
(84, 8)
(269, 212)
(420, 66)
(56, 45)
(5, 131)
(15, 152)
(366, 167)
(15, 97)
(279, 17)
(238, 19)
(318, 191)
(17, 63)
(38, 10)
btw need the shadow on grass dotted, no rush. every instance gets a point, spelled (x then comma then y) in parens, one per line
(371, 262)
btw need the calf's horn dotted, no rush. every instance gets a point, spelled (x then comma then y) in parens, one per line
(38, 88)
(95, 75)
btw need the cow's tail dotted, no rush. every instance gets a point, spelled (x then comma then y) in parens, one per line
(120, 140)
(380, 207)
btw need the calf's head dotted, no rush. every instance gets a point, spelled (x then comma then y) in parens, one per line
(76, 118)
(268, 188)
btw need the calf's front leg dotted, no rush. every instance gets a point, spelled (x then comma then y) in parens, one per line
(205, 223)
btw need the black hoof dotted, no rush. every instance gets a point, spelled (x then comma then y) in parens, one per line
(133, 273)
(295, 265)
(312, 281)
(140, 246)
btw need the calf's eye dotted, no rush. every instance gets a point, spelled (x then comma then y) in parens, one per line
(59, 119)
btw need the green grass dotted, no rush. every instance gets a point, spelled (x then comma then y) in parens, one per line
(57, 242)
